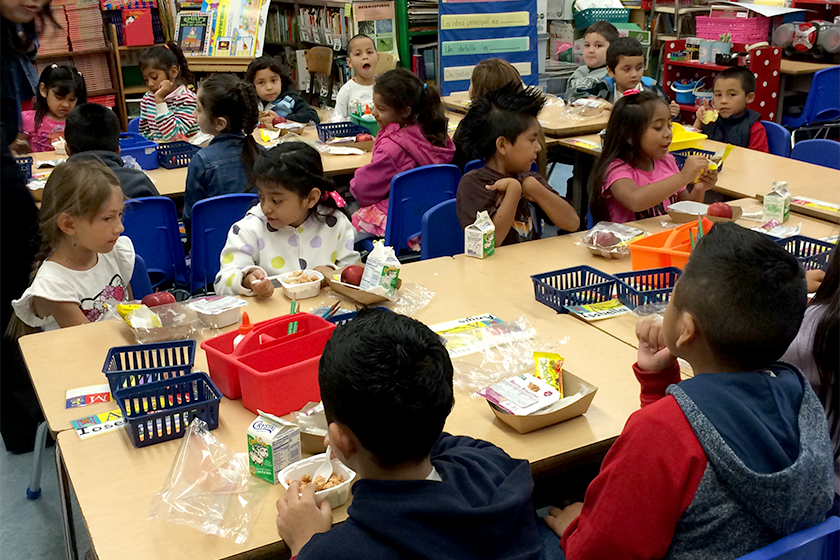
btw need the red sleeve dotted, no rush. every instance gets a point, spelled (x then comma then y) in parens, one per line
(654, 383)
(647, 480)
(758, 138)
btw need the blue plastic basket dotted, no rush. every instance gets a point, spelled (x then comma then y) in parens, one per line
(337, 130)
(580, 285)
(173, 155)
(139, 364)
(641, 287)
(163, 410)
(585, 18)
(812, 253)
(143, 150)
(343, 318)
(25, 166)
(681, 155)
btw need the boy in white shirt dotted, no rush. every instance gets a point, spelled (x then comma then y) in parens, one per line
(362, 58)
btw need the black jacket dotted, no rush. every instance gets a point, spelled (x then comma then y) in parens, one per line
(133, 182)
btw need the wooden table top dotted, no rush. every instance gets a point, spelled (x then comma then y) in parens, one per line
(793, 67)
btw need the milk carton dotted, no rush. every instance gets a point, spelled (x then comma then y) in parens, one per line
(777, 203)
(382, 270)
(273, 445)
(480, 237)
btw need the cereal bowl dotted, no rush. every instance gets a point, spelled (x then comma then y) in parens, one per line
(301, 284)
(336, 495)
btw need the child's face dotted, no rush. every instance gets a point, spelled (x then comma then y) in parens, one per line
(268, 84)
(730, 97)
(595, 50)
(523, 153)
(628, 72)
(363, 58)
(21, 11)
(154, 77)
(385, 114)
(59, 105)
(101, 233)
(205, 121)
(656, 138)
(282, 207)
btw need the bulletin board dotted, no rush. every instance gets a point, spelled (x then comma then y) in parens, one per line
(472, 31)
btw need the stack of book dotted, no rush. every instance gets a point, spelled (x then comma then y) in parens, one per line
(422, 15)
(84, 26)
(94, 69)
(106, 100)
(53, 39)
(424, 61)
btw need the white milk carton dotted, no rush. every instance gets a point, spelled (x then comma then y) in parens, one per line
(382, 269)
(273, 445)
(480, 237)
(777, 203)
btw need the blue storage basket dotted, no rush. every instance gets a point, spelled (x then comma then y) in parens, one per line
(812, 253)
(341, 129)
(343, 318)
(585, 18)
(580, 285)
(139, 364)
(173, 155)
(681, 155)
(25, 166)
(641, 287)
(163, 410)
(143, 150)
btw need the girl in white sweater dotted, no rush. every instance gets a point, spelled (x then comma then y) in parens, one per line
(299, 224)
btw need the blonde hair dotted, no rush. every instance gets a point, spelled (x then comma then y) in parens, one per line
(491, 74)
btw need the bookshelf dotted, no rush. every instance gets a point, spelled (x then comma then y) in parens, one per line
(416, 19)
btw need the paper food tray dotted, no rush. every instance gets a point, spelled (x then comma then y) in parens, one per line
(358, 295)
(695, 209)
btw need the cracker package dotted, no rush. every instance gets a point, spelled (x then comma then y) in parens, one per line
(549, 367)
(480, 237)
(381, 270)
(777, 203)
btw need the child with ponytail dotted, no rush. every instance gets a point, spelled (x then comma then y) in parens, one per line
(60, 88)
(412, 133)
(227, 110)
(167, 110)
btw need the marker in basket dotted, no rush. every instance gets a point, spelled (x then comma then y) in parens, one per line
(701, 233)
(292, 326)
(691, 237)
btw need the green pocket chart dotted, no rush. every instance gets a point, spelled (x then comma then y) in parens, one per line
(473, 31)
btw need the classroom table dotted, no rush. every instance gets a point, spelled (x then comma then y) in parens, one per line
(799, 72)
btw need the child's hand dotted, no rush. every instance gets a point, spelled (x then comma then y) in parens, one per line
(166, 87)
(701, 110)
(608, 106)
(694, 165)
(299, 518)
(707, 179)
(327, 271)
(559, 519)
(674, 109)
(814, 279)
(266, 118)
(505, 186)
(258, 283)
(653, 352)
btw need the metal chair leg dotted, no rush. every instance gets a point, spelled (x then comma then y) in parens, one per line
(34, 489)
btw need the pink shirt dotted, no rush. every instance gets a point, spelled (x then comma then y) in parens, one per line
(619, 169)
(41, 140)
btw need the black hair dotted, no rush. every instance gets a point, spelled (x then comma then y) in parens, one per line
(388, 378)
(225, 95)
(62, 79)
(400, 88)
(165, 57)
(605, 29)
(508, 111)
(825, 344)
(274, 64)
(630, 117)
(297, 167)
(359, 36)
(91, 126)
(746, 293)
(623, 46)
(21, 38)
(741, 74)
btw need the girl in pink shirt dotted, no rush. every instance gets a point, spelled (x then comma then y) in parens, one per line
(60, 88)
(636, 177)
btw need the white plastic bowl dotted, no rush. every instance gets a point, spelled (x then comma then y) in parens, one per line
(336, 495)
(301, 291)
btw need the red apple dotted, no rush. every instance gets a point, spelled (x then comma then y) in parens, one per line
(720, 210)
(364, 137)
(278, 120)
(353, 274)
(604, 238)
(158, 298)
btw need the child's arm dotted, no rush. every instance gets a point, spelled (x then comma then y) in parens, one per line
(758, 138)
(509, 190)
(65, 313)
(174, 117)
(342, 105)
(707, 180)
(302, 112)
(300, 517)
(558, 210)
(371, 183)
(638, 198)
(194, 189)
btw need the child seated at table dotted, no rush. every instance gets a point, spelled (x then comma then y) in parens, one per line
(276, 92)
(412, 133)
(386, 384)
(732, 459)
(299, 224)
(599, 36)
(227, 111)
(167, 110)
(503, 128)
(357, 93)
(730, 121)
(93, 130)
(83, 262)
(60, 88)
(636, 177)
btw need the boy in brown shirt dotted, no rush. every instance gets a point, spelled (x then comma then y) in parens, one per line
(503, 128)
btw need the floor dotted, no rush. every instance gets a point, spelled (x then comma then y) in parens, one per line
(33, 528)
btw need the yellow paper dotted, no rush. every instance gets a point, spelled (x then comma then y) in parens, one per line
(457, 73)
(484, 21)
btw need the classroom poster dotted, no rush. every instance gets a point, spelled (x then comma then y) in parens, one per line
(240, 24)
(376, 20)
(472, 31)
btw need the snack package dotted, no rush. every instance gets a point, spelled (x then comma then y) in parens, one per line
(480, 237)
(549, 367)
(777, 202)
(273, 445)
(610, 240)
(521, 395)
(381, 270)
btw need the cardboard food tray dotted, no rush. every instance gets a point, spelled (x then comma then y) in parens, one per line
(682, 217)
(356, 294)
(364, 146)
(531, 422)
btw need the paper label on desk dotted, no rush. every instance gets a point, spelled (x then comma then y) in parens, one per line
(84, 396)
(598, 311)
(473, 334)
(97, 424)
(815, 204)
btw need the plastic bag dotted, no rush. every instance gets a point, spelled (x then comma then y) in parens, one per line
(612, 242)
(209, 488)
(585, 108)
(177, 322)
(131, 163)
(554, 101)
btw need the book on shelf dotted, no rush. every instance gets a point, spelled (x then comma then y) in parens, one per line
(192, 32)
(243, 20)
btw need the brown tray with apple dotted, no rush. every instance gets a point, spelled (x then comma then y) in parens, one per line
(716, 212)
(351, 277)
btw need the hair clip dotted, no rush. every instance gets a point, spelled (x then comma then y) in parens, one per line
(54, 66)
(339, 201)
(165, 46)
(424, 86)
(631, 92)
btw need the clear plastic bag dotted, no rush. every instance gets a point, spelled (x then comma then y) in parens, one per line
(585, 108)
(178, 322)
(209, 488)
(609, 240)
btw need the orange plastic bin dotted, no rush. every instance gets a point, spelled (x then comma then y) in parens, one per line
(668, 248)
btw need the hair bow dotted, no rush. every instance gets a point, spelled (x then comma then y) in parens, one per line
(339, 201)
(631, 92)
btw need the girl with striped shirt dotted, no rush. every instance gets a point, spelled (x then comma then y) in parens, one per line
(167, 111)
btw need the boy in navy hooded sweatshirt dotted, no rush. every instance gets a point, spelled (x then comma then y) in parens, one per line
(732, 459)
(386, 384)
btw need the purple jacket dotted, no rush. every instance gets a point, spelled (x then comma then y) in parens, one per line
(395, 150)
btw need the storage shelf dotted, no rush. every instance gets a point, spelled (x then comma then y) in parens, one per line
(699, 65)
(111, 91)
(135, 89)
(422, 33)
(139, 47)
(69, 54)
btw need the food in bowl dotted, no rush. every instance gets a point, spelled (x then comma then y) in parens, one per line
(320, 483)
(301, 277)
(336, 495)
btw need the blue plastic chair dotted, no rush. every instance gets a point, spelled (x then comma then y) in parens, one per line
(212, 219)
(141, 284)
(413, 192)
(441, 232)
(778, 138)
(474, 164)
(823, 102)
(818, 152)
(821, 542)
(152, 225)
(134, 125)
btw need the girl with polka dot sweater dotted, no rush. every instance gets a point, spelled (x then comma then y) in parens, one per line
(298, 224)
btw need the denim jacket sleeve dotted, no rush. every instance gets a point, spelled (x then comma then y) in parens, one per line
(194, 190)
